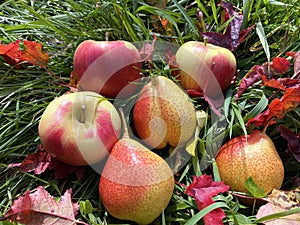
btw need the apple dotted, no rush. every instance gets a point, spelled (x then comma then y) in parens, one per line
(205, 68)
(107, 67)
(79, 128)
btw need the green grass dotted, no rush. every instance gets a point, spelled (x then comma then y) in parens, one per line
(61, 25)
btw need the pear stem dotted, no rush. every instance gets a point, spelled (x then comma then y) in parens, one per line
(83, 114)
(266, 126)
(124, 123)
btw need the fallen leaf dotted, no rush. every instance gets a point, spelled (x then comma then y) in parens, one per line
(266, 71)
(289, 101)
(278, 108)
(10, 52)
(233, 35)
(147, 50)
(296, 57)
(254, 75)
(293, 141)
(32, 54)
(284, 199)
(192, 145)
(40, 208)
(37, 162)
(40, 161)
(280, 83)
(280, 202)
(202, 189)
(280, 65)
(269, 209)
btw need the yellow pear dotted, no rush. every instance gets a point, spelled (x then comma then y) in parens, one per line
(253, 156)
(164, 114)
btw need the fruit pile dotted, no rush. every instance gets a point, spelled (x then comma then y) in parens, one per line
(85, 127)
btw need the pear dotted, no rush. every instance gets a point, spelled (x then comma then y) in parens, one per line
(136, 184)
(163, 114)
(253, 156)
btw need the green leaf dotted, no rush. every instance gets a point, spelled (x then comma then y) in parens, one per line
(258, 108)
(86, 207)
(253, 188)
(204, 211)
(263, 39)
(188, 19)
(239, 117)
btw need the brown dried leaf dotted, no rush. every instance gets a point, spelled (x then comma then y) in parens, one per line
(280, 201)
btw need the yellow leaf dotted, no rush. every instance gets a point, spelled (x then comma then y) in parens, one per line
(201, 118)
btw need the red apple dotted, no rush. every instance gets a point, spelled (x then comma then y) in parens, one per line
(79, 128)
(205, 67)
(107, 67)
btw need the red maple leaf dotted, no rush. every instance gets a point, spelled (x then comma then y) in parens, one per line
(32, 54)
(203, 188)
(40, 161)
(279, 107)
(40, 208)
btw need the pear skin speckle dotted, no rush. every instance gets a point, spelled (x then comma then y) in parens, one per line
(252, 156)
(164, 114)
(136, 184)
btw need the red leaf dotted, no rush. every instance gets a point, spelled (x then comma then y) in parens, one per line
(37, 162)
(203, 188)
(280, 65)
(233, 35)
(39, 208)
(10, 52)
(296, 57)
(289, 101)
(40, 161)
(253, 76)
(280, 83)
(266, 70)
(293, 141)
(218, 39)
(31, 54)
(194, 93)
(278, 108)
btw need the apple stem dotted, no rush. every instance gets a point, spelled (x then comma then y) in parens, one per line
(107, 36)
(83, 116)
(205, 41)
(124, 123)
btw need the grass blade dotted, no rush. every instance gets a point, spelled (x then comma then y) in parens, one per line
(263, 39)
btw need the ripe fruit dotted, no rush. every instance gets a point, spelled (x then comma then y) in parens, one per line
(136, 184)
(205, 67)
(107, 67)
(79, 128)
(252, 156)
(163, 114)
